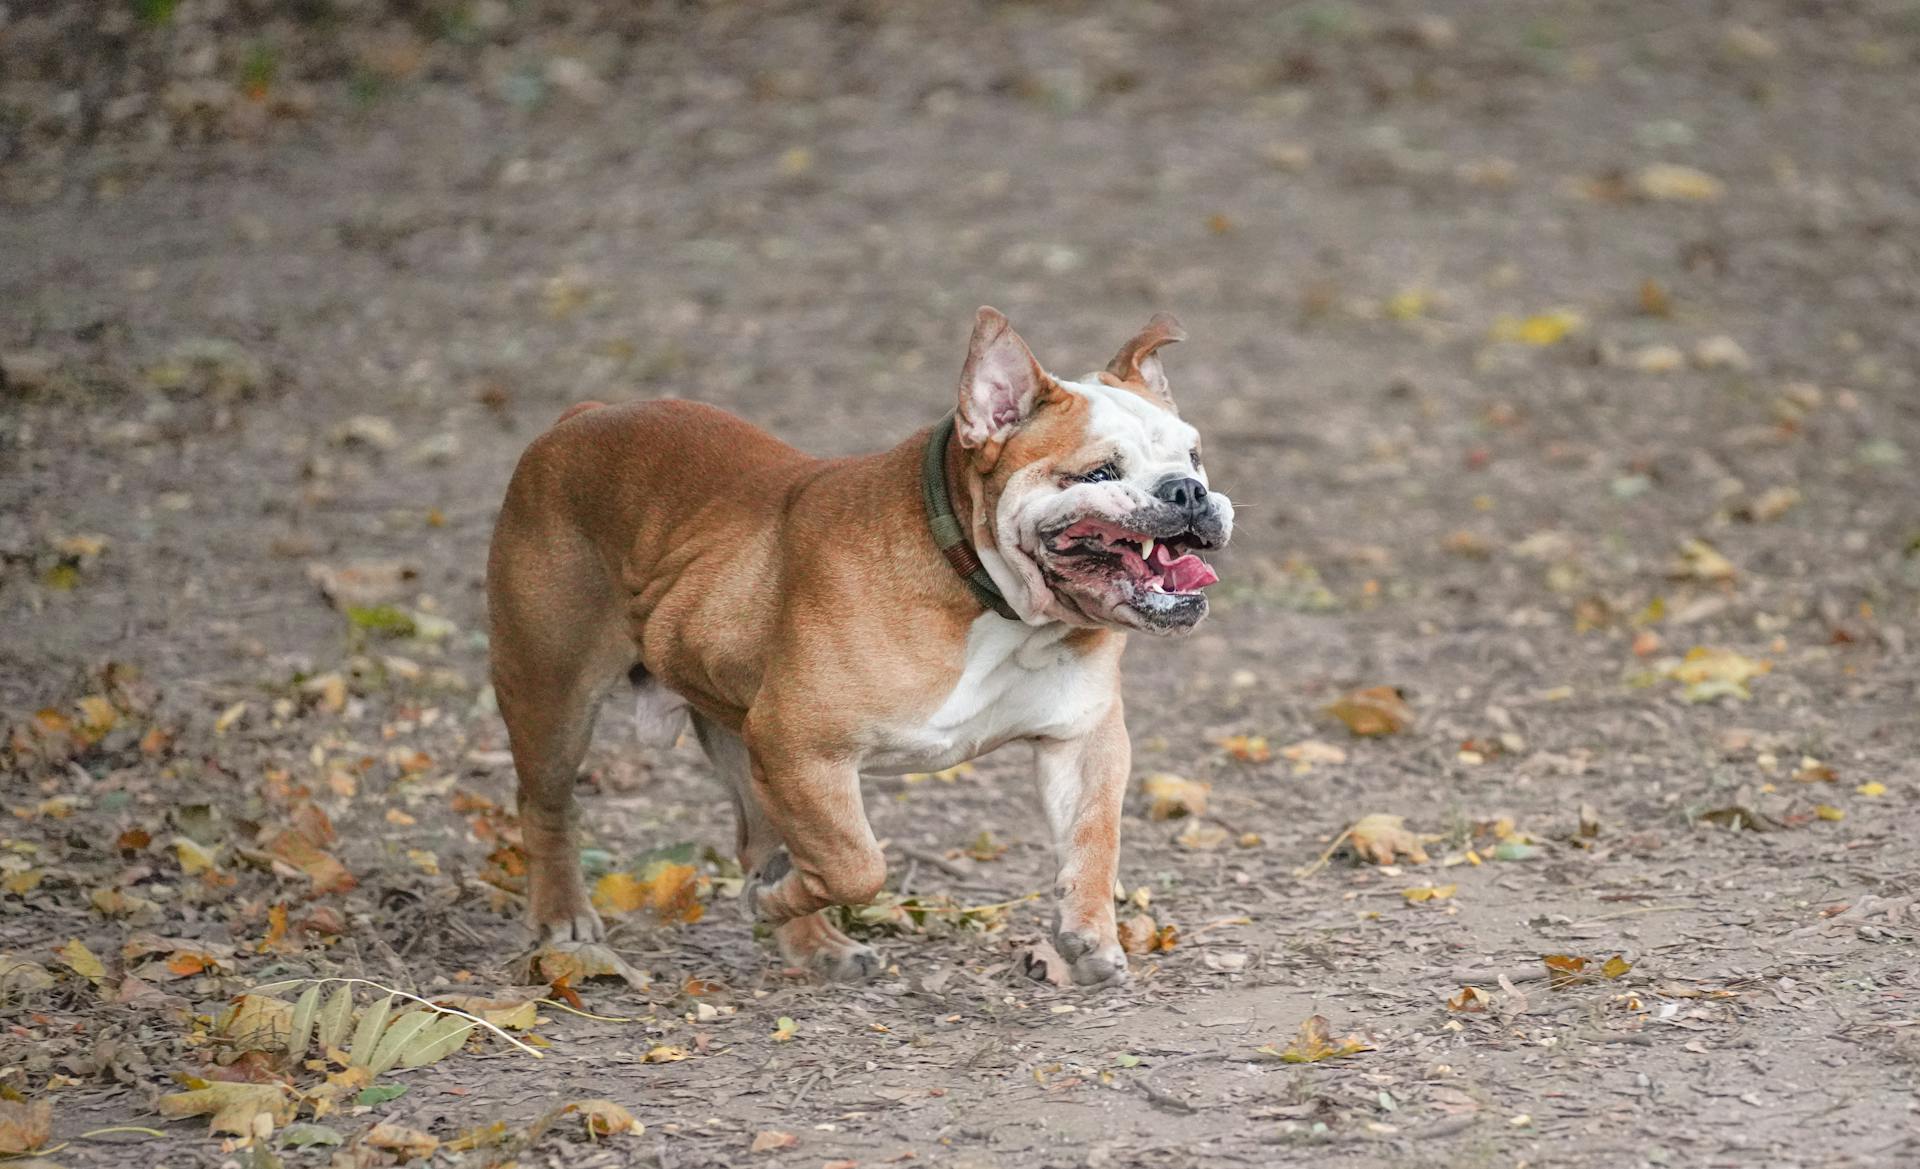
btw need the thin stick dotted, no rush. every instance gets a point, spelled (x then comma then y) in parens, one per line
(427, 1003)
(560, 1006)
(1316, 866)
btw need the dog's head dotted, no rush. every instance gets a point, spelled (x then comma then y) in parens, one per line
(1090, 502)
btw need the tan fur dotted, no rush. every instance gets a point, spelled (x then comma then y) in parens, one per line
(802, 609)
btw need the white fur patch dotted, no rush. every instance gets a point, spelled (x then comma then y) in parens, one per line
(659, 715)
(1018, 682)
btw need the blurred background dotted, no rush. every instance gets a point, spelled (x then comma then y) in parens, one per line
(1560, 357)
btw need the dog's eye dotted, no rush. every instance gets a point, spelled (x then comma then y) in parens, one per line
(1104, 473)
(1194, 455)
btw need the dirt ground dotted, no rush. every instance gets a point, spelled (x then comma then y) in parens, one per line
(1539, 345)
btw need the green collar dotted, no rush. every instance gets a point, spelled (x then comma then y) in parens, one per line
(946, 528)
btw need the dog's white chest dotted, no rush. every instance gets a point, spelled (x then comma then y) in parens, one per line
(1018, 682)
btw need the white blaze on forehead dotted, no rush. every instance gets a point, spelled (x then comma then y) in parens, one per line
(1146, 436)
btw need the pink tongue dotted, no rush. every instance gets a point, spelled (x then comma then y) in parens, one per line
(1187, 574)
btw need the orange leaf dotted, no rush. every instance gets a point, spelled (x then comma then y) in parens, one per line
(1377, 710)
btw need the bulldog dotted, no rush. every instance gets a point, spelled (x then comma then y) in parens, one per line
(887, 613)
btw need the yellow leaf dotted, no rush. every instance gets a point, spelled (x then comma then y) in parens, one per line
(97, 714)
(1429, 893)
(1876, 788)
(605, 1118)
(257, 1023)
(1829, 812)
(1549, 328)
(1672, 183)
(425, 861)
(670, 891)
(1616, 967)
(1700, 560)
(1709, 673)
(23, 882)
(1201, 836)
(1171, 797)
(784, 1029)
(194, 859)
(1314, 1043)
(235, 1108)
(1380, 838)
(82, 961)
(1377, 710)
(229, 717)
(664, 1054)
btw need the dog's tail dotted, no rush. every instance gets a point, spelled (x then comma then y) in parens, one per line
(576, 408)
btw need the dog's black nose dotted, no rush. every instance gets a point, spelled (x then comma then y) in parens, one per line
(1186, 493)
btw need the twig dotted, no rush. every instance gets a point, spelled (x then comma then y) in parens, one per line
(560, 1006)
(1309, 870)
(1619, 913)
(1166, 1099)
(933, 859)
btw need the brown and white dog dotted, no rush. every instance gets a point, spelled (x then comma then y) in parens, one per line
(807, 613)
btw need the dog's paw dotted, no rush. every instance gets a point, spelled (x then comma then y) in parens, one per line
(813, 944)
(1093, 964)
(583, 926)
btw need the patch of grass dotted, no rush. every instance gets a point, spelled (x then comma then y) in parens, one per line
(154, 12)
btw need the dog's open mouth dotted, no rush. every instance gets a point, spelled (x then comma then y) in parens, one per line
(1164, 565)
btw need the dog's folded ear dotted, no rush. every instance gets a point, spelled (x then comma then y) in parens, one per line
(1136, 366)
(1001, 384)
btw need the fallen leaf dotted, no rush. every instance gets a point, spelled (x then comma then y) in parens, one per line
(1471, 1000)
(1140, 934)
(666, 1054)
(304, 1136)
(1171, 797)
(19, 976)
(1379, 838)
(257, 1023)
(1708, 673)
(398, 1138)
(604, 1117)
(784, 1029)
(1669, 182)
(1377, 710)
(1873, 789)
(235, 1107)
(1429, 893)
(24, 1125)
(1309, 752)
(1314, 1043)
(1700, 560)
(1202, 836)
(670, 891)
(771, 1139)
(1248, 748)
(1829, 812)
(580, 961)
(1549, 328)
(83, 962)
(1616, 967)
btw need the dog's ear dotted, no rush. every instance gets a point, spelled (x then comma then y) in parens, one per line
(1001, 385)
(1136, 367)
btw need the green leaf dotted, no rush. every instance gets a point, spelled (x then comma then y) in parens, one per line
(384, 620)
(303, 1136)
(302, 1029)
(403, 1031)
(440, 1039)
(330, 1028)
(376, 1094)
(367, 1035)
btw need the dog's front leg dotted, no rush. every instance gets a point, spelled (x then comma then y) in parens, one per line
(830, 856)
(1083, 783)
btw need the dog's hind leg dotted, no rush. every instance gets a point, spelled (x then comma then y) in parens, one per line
(558, 646)
(811, 941)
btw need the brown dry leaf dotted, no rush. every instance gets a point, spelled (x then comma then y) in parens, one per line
(1140, 934)
(1564, 970)
(1380, 838)
(1738, 816)
(1309, 752)
(24, 1125)
(670, 891)
(257, 1023)
(771, 1139)
(294, 848)
(605, 1118)
(1376, 710)
(1471, 1000)
(398, 1138)
(1171, 797)
(512, 1012)
(19, 976)
(1315, 1043)
(235, 1108)
(576, 963)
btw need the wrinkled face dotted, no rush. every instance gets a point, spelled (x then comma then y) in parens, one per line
(1105, 513)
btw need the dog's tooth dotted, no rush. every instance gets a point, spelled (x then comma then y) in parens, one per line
(1146, 548)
